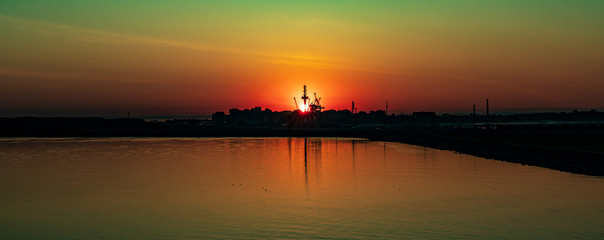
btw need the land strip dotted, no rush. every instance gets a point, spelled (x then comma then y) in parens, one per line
(577, 150)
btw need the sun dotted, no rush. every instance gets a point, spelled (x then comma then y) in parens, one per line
(303, 107)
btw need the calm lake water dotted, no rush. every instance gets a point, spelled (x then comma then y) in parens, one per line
(282, 188)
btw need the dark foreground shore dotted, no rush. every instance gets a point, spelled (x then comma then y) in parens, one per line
(576, 150)
(567, 159)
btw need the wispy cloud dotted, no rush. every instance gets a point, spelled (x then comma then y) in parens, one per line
(45, 77)
(93, 35)
(112, 37)
(307, 59)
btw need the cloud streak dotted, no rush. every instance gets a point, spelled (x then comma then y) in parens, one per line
(101, 36)
(93, 35)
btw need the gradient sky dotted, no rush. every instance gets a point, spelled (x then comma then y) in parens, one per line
(197, 57)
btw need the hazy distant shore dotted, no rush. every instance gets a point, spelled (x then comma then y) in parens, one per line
(577, 150)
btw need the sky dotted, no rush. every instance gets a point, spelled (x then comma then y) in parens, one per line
(71, 58)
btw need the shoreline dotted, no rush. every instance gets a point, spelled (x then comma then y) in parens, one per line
(572, 161)
(465, 141)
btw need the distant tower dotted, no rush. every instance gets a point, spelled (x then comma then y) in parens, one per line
(386, 107)
(474, 114)
(386, 113)
(487, 117)
(353, 108)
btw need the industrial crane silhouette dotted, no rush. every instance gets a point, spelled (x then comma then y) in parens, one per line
(304, 98)
(296, 103)
(314, 106)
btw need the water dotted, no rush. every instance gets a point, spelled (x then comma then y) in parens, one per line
(281, 188)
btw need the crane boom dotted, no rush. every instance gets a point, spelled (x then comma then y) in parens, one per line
(296, 102)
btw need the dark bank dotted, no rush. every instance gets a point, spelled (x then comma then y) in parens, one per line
(571, 142)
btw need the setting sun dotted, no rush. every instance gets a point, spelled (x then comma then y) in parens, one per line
(304, 108)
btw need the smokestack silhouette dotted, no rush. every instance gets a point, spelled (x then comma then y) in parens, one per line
(386, 107)
(487, 116)
(474, 114)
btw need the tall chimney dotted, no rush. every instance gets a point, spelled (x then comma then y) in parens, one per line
(474, 114)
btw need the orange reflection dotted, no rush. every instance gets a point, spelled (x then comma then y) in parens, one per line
(276, 184)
